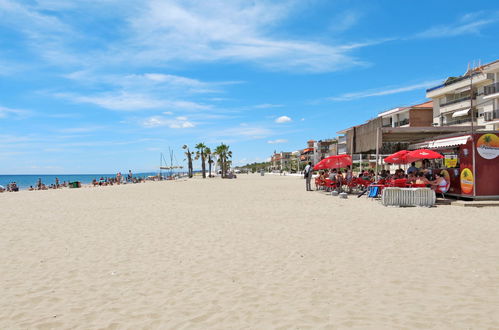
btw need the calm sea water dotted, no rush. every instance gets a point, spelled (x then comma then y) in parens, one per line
(24, 181)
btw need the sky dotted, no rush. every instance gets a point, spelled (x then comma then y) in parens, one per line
(100, 86)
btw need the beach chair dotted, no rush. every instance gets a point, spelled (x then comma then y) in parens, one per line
(329, 185)
(374, 192)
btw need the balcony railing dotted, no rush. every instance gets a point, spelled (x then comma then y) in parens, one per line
(467, 98)
(457, 121)
(491, 89)
(491, 115)
(402, 122)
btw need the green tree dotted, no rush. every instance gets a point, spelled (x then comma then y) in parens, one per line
(201, 153)
(224, 154)
(189, 155)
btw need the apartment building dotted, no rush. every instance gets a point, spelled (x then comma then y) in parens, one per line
(477, 90)
(280, 161)
(419, 115)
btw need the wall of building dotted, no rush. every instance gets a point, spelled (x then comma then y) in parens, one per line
(421, 117)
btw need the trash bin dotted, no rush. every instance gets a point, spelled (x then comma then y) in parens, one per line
(262, 173)
(75, 184)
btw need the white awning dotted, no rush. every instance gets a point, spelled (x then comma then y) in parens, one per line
(450, 142)
(442, 143)
(461, 113)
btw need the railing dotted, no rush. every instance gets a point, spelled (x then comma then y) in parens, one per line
(491, 115)
(491, 89)
(457, 121)
(404, 122)
(452, 81)
(401, 123)
(467, 98)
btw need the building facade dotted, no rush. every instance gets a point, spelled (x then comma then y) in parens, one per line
(472, 96)
(280, 161)
(419, 115)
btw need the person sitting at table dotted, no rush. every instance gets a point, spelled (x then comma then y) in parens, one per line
(411, 177)
(332, 175)
(340, 178)
(439, 184)
(348, 174)
(421, 179)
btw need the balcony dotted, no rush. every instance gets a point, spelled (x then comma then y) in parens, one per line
(451, 122)
(453, 84)
(402, 122)
(466, 98)
(491, 89)
(491, 115)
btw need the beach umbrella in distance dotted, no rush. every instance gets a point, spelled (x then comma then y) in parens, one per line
(422, 154)
(338, 161)
(397, 158)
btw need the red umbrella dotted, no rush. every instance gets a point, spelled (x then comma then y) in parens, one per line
(397, 158)
(422, 154)
(337, 161)
(320, 165)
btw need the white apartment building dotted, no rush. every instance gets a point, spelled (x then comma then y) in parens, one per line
(452, 100)
(280, 161)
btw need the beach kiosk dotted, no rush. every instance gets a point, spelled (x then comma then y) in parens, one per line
(470, 163)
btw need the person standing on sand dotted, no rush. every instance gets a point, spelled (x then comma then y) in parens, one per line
(308, 176)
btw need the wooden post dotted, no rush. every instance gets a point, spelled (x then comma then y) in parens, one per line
(377, 153)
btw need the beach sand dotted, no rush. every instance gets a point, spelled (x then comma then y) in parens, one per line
(251, 253)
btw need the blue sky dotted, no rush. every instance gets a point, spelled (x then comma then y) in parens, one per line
(92, 86)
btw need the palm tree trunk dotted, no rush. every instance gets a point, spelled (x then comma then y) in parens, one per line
(203, 165)
(209, 166)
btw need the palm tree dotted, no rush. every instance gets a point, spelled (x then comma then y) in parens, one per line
(189, 154)
(207, 152)
(224, 154)
(201, 153)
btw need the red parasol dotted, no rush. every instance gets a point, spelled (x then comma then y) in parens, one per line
(320, 165)
(337, 161)
(397, 158)
(422, 154)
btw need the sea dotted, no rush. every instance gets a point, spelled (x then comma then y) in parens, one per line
(24, 181)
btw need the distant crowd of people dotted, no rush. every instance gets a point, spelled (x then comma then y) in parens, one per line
(103, 181)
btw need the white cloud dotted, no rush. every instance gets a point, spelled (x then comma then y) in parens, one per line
(277, 141)
(125, 101)
(268, 106)
(160, 32)
(382, 92)
(471, 23)
(83, 129)
(283, 119)
(157, 121)
(13, 113)
(228, 30)
(345, 21)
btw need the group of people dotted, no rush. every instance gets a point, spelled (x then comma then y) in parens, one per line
(420, 176)
(118, 179)
(414, 175)
(10, 187)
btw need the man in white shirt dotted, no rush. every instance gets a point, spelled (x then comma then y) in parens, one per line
(308, 176)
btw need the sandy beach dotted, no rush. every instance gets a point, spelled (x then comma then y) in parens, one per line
(252, 253)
